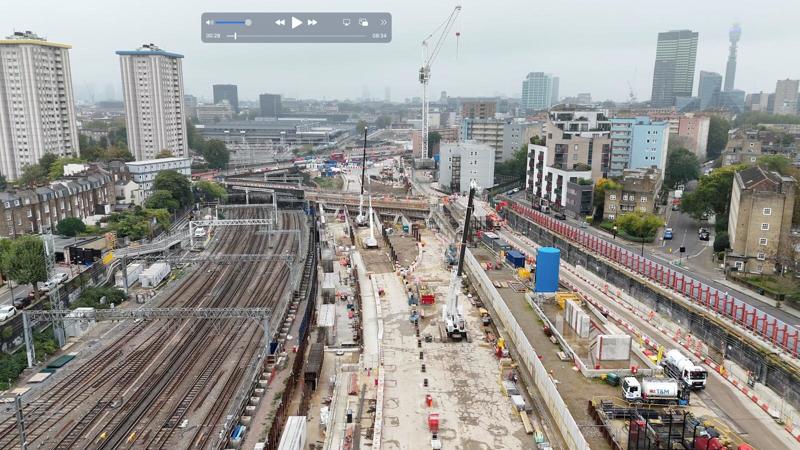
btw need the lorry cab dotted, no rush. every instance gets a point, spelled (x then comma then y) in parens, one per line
(695, 377)
(631, 389)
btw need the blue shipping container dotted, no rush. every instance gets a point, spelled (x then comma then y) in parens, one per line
(515, 258)
(547, 266)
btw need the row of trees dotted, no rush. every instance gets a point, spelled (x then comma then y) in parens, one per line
(22, 260)
(213, 151)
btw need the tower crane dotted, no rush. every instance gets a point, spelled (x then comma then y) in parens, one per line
(361, 219)
(428, 58)
(453, 318)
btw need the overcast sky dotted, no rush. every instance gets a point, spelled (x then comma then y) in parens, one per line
(593, 46)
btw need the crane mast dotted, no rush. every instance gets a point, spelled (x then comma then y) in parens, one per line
(360, 218)
(425, 71)
(455, 324)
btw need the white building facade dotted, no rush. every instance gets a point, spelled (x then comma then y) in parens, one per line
(463, 162)
(144, 172)
(152, 83)
(548, 182)
(37, 107)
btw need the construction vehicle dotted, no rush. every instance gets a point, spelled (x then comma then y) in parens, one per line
(361, 219)
(655, 391)
(370, 241)
(428, 57)
(455, 325)
(679, 367)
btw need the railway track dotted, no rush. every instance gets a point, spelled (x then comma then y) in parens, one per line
(155, 377)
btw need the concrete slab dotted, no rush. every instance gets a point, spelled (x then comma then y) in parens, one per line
(462, 378)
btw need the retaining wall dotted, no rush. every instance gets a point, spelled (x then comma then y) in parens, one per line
(558, 409)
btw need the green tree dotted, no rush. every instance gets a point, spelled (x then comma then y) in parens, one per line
(33, 175)
(3, 182)
(194, 139)
(776, 163)
(360, 127)
(47, 160)
(164, 154)
(516, 166)
(138, 223)
(91, 296)
(537, 140)
(216, 154)
(162, 200)
(712, 195)
(28, 262)
(6, 256)
(70, 226)
(211, 191)
(383, 121)
(682, 166)
(433, 140)
(639, 224)
(599, 200)
(175, 183)
(116, 153)
(57, 167)
(717, 136)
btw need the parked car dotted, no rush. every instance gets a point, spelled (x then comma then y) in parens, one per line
(560, 216)
(7, 312)
(60, 277)
(703, 234)
(667, 234)
(50, 284)
(23, 301)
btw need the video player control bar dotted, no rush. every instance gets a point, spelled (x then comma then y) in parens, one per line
(278, 27)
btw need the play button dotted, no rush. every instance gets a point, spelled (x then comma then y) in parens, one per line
(296, 22)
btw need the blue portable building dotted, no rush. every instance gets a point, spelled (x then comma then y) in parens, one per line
(515, 258)
(547, 266)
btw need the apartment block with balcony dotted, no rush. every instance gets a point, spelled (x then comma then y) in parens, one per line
(547, 179)
(485, 131)
(478, 109)
(759, 221)
(637, 143)
(637, 193)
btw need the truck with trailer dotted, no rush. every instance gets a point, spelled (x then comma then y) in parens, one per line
(655, 391)
(681, 368)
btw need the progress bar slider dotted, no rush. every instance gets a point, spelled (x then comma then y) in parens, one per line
(280, 27)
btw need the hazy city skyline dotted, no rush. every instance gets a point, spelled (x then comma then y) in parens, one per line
(596, 48)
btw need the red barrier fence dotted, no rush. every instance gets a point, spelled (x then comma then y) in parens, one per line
(748, 316)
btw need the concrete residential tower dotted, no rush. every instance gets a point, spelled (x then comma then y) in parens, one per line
(537, 91)
(673, 75)
(152, 81)
(37, 109)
